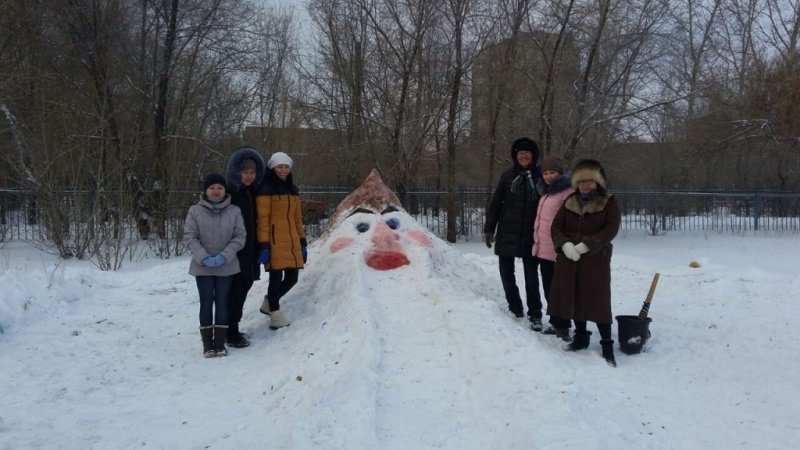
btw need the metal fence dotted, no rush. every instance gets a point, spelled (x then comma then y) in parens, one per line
(22, 218)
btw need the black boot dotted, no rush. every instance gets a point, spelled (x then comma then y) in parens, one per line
(580, 341)
(235, 338)
(220, 332)
(207, 333)
(563, 334)
(608, 351)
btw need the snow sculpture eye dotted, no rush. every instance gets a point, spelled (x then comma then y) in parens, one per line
(362, 227)
(393, 223)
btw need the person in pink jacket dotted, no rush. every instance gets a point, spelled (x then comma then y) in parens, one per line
(554, 187)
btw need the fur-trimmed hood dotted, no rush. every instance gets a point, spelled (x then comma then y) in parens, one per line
(561, 183)
(528, 144)
(233, 166)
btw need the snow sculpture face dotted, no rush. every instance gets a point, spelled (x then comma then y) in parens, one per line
(384, 235)
(370, 218)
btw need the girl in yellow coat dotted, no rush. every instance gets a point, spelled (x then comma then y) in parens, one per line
(280, 234)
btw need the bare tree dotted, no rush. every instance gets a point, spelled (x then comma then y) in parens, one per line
(337, 73)
(399, 30)
(458, 11)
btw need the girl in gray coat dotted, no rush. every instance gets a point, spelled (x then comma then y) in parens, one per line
(213, 232)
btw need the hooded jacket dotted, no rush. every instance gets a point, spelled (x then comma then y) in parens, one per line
(511, 211)
(245, 198)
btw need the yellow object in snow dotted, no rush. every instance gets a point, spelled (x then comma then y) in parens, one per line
(694, 264)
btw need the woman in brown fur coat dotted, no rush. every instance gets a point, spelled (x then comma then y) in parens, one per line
(582, 232)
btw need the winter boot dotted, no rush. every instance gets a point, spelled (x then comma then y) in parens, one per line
(207, 333)
(608, 351)
(236, 339)
(563, 334)
(220, 331)
(580, 341)
(536, 324)
(277, 320)
(264, 306)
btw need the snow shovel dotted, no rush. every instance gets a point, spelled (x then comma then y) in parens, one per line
(633, 331)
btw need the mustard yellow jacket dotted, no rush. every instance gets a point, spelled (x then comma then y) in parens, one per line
(279, 223)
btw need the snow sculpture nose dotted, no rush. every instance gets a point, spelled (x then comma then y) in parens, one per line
(384, 236)
(386, 252)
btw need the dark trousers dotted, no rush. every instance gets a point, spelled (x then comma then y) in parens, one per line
(242, 282)
(280, 282)
(509, 280)
(214, 293)
(547, 268)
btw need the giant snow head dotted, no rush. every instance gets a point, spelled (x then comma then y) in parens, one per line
(371, 221)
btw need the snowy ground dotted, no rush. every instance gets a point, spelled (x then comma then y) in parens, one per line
(420, 357)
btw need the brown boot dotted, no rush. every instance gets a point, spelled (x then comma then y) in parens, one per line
(207, 333)
(220, 332)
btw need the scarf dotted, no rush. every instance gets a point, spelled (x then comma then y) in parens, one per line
(584, 199)
(524, 178)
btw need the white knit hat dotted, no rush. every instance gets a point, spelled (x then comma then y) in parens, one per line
(279, 158)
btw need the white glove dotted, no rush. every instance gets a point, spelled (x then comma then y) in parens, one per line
(582, 248)
(570, 251)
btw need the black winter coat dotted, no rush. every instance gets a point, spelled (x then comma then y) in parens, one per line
(512, 215)
(245, 199)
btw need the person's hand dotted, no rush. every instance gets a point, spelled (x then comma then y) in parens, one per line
(214, 261)
(263, 256)
(304, 249)
(570, 251)
(488, 238)
(582, 248)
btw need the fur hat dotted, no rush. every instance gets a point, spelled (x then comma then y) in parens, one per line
(214, 178)
(526, 144)
(589, 169)
(552, 163)
(279, 158)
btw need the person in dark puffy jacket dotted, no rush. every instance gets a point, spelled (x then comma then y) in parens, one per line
(244, 172)
(509, 224)
(213, 232)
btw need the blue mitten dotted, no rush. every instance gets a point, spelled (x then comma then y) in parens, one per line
(263, 255)
(208, 261)
(219, 260)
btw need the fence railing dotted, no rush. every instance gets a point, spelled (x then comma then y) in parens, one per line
(23, 218)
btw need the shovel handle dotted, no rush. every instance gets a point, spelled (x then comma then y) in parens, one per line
(649, 299)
